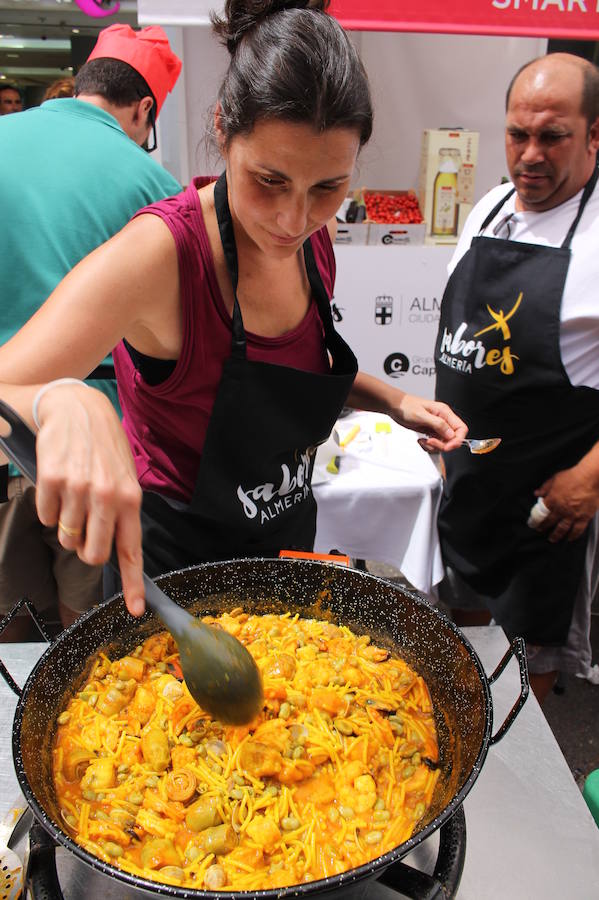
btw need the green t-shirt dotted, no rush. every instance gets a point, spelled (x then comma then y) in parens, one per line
(71, 179)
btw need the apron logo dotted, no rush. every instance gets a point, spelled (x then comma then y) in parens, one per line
(463, 355)
(383, 310)
(269, 501)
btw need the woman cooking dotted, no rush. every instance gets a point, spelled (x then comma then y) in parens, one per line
(216, 301)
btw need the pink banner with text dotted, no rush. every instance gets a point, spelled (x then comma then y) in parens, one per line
(524, 18)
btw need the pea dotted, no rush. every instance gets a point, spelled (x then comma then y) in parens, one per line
(186, 740)
(152, 781)
(380, 803)
(113, 849)
(192, 852)
(290, 823)
(136, 798)
(285, 711)
(381, 815)
(272, 791)
(121, 777)
(123, 768)
(346, 811)
(416, 759)
(89, 795)
(63, 718)
(298, 752)
(408, 771)
(373, 837)
(236, 793)
(419, 811)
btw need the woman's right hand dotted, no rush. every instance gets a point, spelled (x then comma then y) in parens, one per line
(87, 483)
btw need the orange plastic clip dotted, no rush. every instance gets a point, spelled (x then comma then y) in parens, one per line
(338, 559)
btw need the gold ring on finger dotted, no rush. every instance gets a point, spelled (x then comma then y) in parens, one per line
(71, 532)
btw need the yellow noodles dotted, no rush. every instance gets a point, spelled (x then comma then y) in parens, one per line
(337, 769)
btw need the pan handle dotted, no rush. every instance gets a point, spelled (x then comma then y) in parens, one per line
(517, 649)
(41, 878)
(444, 882)
(5, 621)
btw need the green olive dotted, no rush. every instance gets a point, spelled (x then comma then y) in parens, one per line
(219, 840)
(202, 814)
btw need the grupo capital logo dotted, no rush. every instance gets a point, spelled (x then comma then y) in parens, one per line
(396, 365)
(97, 9)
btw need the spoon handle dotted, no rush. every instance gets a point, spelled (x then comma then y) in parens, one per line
(19, 445)
(174, 616)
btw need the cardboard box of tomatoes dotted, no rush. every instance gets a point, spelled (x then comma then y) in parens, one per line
(394, 217)
(381, 217)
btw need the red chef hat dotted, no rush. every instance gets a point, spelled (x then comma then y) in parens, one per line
(147, 51)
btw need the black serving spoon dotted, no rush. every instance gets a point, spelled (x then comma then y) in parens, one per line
(220, 673)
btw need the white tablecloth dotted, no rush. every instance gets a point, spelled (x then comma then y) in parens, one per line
(383, 503)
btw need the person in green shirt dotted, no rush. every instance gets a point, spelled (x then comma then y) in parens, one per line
(78, 173)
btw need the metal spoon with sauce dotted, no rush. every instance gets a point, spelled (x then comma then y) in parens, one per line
(220, 673)
(481, 445)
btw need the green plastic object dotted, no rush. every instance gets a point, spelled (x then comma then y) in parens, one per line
(591, 794)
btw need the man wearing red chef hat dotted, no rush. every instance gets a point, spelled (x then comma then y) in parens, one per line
(77, 174)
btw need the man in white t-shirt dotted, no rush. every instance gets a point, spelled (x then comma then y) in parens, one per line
(517, 357)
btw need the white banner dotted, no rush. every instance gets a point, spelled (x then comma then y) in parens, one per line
(386, 306)
(176, 12)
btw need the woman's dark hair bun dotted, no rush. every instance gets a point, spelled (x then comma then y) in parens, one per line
(240, 16)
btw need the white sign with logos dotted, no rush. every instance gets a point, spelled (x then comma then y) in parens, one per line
(386, 305)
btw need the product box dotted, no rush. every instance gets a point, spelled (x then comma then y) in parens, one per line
(354, 233)
(446, 181)
(394, 217)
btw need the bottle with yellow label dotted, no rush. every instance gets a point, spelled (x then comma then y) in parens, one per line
(444, 219)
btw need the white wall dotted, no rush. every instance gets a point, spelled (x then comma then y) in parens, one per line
(418, 81)
(433, 80)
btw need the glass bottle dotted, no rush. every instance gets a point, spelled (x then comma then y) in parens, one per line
(445, 205)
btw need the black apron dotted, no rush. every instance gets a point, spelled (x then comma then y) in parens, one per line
(252, 495)
(499, 366)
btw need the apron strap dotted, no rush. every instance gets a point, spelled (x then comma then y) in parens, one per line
(495, 210)
(322, 299)
(227, 237)
(588, 190)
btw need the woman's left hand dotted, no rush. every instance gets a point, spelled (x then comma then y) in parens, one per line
(445, 430)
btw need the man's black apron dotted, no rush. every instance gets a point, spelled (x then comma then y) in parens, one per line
(252, 495)
(499, 367)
